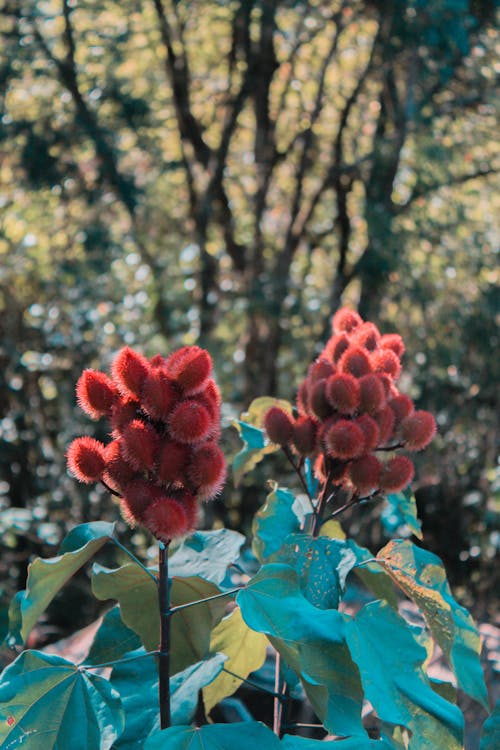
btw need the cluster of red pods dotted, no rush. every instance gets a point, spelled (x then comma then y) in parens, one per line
(351, 416)
(164, 457)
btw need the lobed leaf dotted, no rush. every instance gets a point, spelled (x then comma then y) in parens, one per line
(242, 735)
(112, 640)
(206, 554)
(281, 515)
(401, 509)
(490, 735)
(290, 742)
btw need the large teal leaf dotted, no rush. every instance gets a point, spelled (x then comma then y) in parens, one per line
(113, 639)
(311, 641)
(47, 703)
(421, 575)
(281, 515)
(47, 577)
(490, 737)
(206, 554)
(137, 595)
(290, 742)
(401, 510)
(390, 662)
(244, 736)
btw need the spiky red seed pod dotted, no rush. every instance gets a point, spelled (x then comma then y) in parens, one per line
(336, 346)
(192, 508)
(124, 411)
(172, 462)
(396, 474)
(394, 342)
(157, 361)
(417, 430)
(345, 440)
(372, 394)
(305, 432)
(278, 425)
(167, 519)
(385, 420)
(130, 369)
(345, 320)
(385, 361)
(138, 495)
(190, 370)
(318, 403)
(141, 445)
(402, 406)
(364, 473)
(158, 395)
(95, 393)
(367, 335)
(118, 473)
(321, 369)
(390, 389)
(324, 428)
(86, 459)
(355, 361)
(370, 430)
(343, 393)
(319, 468)
(303, 398)
(207, 470)
(210, 398)
(190, 422)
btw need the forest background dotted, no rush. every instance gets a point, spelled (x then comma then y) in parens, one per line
(228, 174)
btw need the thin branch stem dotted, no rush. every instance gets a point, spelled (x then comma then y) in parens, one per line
(391, 447)
(164, 653)
(178, 608)
(135, 559)
(354, 501)
(277, 692)
(286, 451)
(318, 510)
(110, 489)
(118, 661)
(253, 684)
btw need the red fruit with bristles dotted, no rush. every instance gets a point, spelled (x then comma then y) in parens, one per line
(364, 473)
(192, 508)
(86, 459)
(394, 342)
(191, 370)
(343, 393)
(190, 422)
(141, 444)
(319, 468)
(159, 395)
(396, 474)
(124, 411)
(207, 470)
(172, 462)
(385, 420)
(305, 431)
(321, 369)
(319, 404)
(355, 361)
(402, 406)
(167, 519)
(370, 430)
(95, 393)
(372, 394)
(118, 473)
(367, 335)
(336, 346)
(418, 430)
(345, 440)
(157, 361)
(390, 389)
(278, 425)
(138, 495)
(385, 361)
(130, 370)
(210, 398)
(345, 320)
(303, 398)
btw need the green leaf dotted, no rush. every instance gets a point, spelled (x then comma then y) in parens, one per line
(390, 662)
(137, 595)
(290, 742)
(311, 641)
(49, 703)
(401, 509)
(206, 554)
(113, 639)
(256, 445)
(420, 574)
(47, 577)
(491, 730)
(281, 515)
(242, 735)
(246, 652)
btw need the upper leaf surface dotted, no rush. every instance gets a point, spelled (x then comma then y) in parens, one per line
(206, 554)
(113, 639)
(244, 736)
(401, 508)
(281, 515)
(490, 737)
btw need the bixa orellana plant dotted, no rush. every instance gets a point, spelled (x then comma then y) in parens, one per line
(181, 637)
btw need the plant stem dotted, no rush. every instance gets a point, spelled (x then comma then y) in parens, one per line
(253, 684)
(164, 653)
(286, 451)
(118, 661)
(354, 501)
(277, 691)
(135, 559)
(207, 599)
(320, 506)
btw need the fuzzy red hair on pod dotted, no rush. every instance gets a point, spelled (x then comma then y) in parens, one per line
(192, 508)
(364, 473)
(345, 320)
(345, 440)
(118, 473)
(390, 389)
(303, 398)
(355, 361)
(319, 468)
(321, 369)
(279, 425)
(323, 429)
(372, 394)
(190, 422)
(173, 462)
(191, 370)
(86, 459)
(336, 346)
(385, 420)
(370, 430)
(385, 361)
(210, 398)
(95, 393)
(129, 370)
(123, 412)
(394, 342)
(417, 430)
(157, 361)
(396, 474)
(158, 395)
(402, 406)
(343, 393)
(319, 404)
(367, 335)
(141, 444)
(207, 470)
(167, 519)
(138, 495)
(305, 432)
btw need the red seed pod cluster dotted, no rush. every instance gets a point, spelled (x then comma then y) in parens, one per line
(163, 459)
(351, 413)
